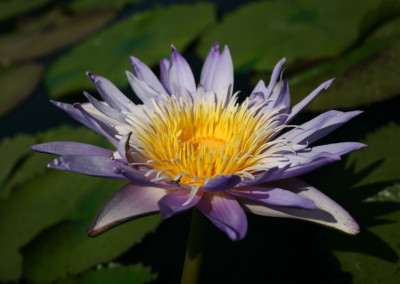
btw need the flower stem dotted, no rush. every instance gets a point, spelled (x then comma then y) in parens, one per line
(195, 248)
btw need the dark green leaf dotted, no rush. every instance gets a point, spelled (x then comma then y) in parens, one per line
(12, 150)
(12, 8)
(261, 33)
(146, 35)
(50, 34)
(18, 84)
(114, 273)
(85, 5)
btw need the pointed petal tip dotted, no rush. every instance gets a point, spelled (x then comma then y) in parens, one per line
(215, 45)
(328, 83)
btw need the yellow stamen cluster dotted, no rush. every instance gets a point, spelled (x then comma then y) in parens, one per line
(193, 140)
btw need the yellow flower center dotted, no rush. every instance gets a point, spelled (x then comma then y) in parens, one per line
(191, 141)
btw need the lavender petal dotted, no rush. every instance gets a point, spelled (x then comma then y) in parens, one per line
(61, 148)
(144, 73)
(128, 203)
(329, 213)
(172, 203)
(224, 211)
(221, 183)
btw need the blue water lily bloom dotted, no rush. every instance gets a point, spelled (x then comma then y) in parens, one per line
(193, 145)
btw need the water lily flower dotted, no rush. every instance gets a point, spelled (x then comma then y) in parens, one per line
(193, 145)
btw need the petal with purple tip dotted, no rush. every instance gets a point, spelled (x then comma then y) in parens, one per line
(221, 183)
(173, 202)
(111, 94)
(223, 74)
(98, 166)
(126, 204)
(144, 73)
(61, 148)
(209, 66)
(329, 213)
(224, 211)
(180, 74)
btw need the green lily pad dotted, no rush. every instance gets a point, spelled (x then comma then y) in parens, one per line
(12, 8)
(364, 76)
(261, 33)
(18, 84)
(85, 5)
(383, 151)
(53, 32)
(12, 150)
(34, 206)
(114, 273)
(65, 249)
(146, 35)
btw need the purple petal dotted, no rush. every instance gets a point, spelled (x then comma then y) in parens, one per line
(124, 149)
(71, 148)
(126, 204)
(75, 113)
(180, 74)
(209, 66)
(338, 149)
(143, 91)
(318, 127)
(305, 167)
(105, 109)
(165, 64)
(225, 212)
(172, 203)
(274, 76)
(221, 183)
(258, 90)
(329, 213)
(274, 196)
(101, 124)
(223, 74)
(144, 73)
(98, 166)
(302, 104)
(138, 178)
(111, 94)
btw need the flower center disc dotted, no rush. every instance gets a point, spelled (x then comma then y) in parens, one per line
(193, 140)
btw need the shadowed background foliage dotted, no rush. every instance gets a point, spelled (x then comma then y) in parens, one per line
(46, 46)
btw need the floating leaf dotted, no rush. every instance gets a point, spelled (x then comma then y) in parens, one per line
(51, 34)
(114, 273)
(261, 33)
(145, 35)
(12, 8)
(382, 150)
(12, 150)
(84, 5)
(65, 249)
(362, 77)
(17, 84)
(34, 206)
